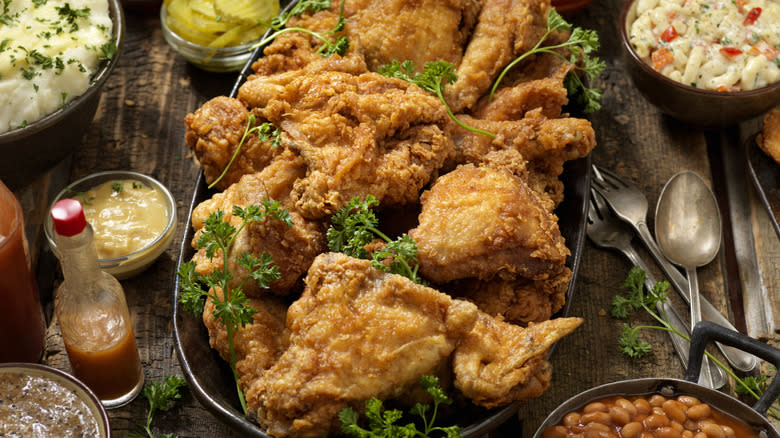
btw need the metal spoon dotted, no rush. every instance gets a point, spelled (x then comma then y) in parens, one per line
(688, 230)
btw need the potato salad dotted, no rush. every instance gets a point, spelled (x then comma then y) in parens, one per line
(723, 45)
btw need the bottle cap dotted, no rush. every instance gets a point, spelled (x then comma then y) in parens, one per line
(68, 217)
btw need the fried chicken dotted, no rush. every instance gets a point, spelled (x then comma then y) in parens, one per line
(359, 135)
(770, 134)
(485, 223)
(213, 133)
(293, 248)
(355, 333)
(498, 362)
(257, 345)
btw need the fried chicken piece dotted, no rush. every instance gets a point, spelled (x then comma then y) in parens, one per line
(481, 222)
(359, 135)
(505, 30)
(356, 333)
(770, 134)
(512, 103)
(258, 344)
(213, 133)
(418, 31)
(292, 248)
(546, 143)
(520, 301)
(499, 363)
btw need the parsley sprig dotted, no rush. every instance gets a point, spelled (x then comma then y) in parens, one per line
(582, 43)
(160, 395)
(355, 226)
(330, 46)
(636, 299)
(436, 75)
(232, 308)
(265, 132)
(382, 424)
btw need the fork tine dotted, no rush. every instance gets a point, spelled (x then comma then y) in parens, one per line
(599, 185)
(597, 172)
(598, 201)
(593, 213)
(613, 178)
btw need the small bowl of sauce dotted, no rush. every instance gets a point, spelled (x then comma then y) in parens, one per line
(133, 217)
(37, 400)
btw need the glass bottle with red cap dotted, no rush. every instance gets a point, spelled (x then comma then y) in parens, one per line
(92, 313)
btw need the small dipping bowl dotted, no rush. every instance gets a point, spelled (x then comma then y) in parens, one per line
(73, 391)
(218, 60)
(134, 263)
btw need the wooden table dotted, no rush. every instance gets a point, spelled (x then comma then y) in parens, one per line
(139, 126)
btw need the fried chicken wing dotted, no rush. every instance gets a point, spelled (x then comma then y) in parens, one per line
(355, 333)
(293, 248)
(498, 362)
(485, 223)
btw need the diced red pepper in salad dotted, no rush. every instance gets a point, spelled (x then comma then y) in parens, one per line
(763, 48)
(669, 34)
(661, 58)
(730, 52)
(752, 16)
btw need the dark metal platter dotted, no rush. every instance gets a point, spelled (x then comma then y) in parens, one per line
(210, 378)
(765, 174)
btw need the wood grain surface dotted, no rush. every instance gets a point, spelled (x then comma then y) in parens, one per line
(139, 126)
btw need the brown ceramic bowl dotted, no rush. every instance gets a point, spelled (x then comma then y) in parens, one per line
(753, 417)
(26, 152)
(686, 103)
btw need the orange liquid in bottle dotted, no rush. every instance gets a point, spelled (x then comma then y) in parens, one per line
(22, 324)
(110, 373)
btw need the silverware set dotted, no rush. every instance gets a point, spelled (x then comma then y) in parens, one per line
(618, 211)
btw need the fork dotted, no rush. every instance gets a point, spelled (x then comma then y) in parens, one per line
(630, 204)
(607, 231)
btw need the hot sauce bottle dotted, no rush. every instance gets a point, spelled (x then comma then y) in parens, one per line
(92, 313)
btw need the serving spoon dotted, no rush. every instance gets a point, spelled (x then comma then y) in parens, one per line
(688, 230)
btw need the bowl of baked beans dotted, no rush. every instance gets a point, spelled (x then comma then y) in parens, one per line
(706, 62)
(669, 407)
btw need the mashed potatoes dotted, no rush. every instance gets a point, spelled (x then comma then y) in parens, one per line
(49, 50)
(724, 45)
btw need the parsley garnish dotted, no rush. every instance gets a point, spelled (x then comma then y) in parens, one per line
(231, 307)
(71, 15)
(160, 396)
(382, 423)
(6, 17)
(266, 131)
(582, 43)
(117, 186)
(355, 226)
(433, 80)
(107, 50)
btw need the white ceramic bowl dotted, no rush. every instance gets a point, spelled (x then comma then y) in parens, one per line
(133, 263)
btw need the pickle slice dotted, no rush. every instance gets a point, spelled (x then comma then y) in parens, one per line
(247, 11)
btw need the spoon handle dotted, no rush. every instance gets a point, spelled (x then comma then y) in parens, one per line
(693, 291)
(736, 358)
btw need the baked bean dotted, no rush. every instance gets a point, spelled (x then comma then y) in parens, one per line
(646, 435)
(700, 435)
(556, 432)
(597, 427)
(631, 430)
(699, 412)
(571, 419)
(713, 431)
(729, 431)
(655, 421)
(687, 434)
(619, 415)
(598, 417)
(642, 406)
(597, 434)
(595, 407)
(678, 427)
(667, 432)
(691, 425)
(675, 410)
(688, 400)
(657, 400)
(658, 410)
(627, 405)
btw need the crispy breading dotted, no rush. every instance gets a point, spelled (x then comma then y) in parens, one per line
(770, 134)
